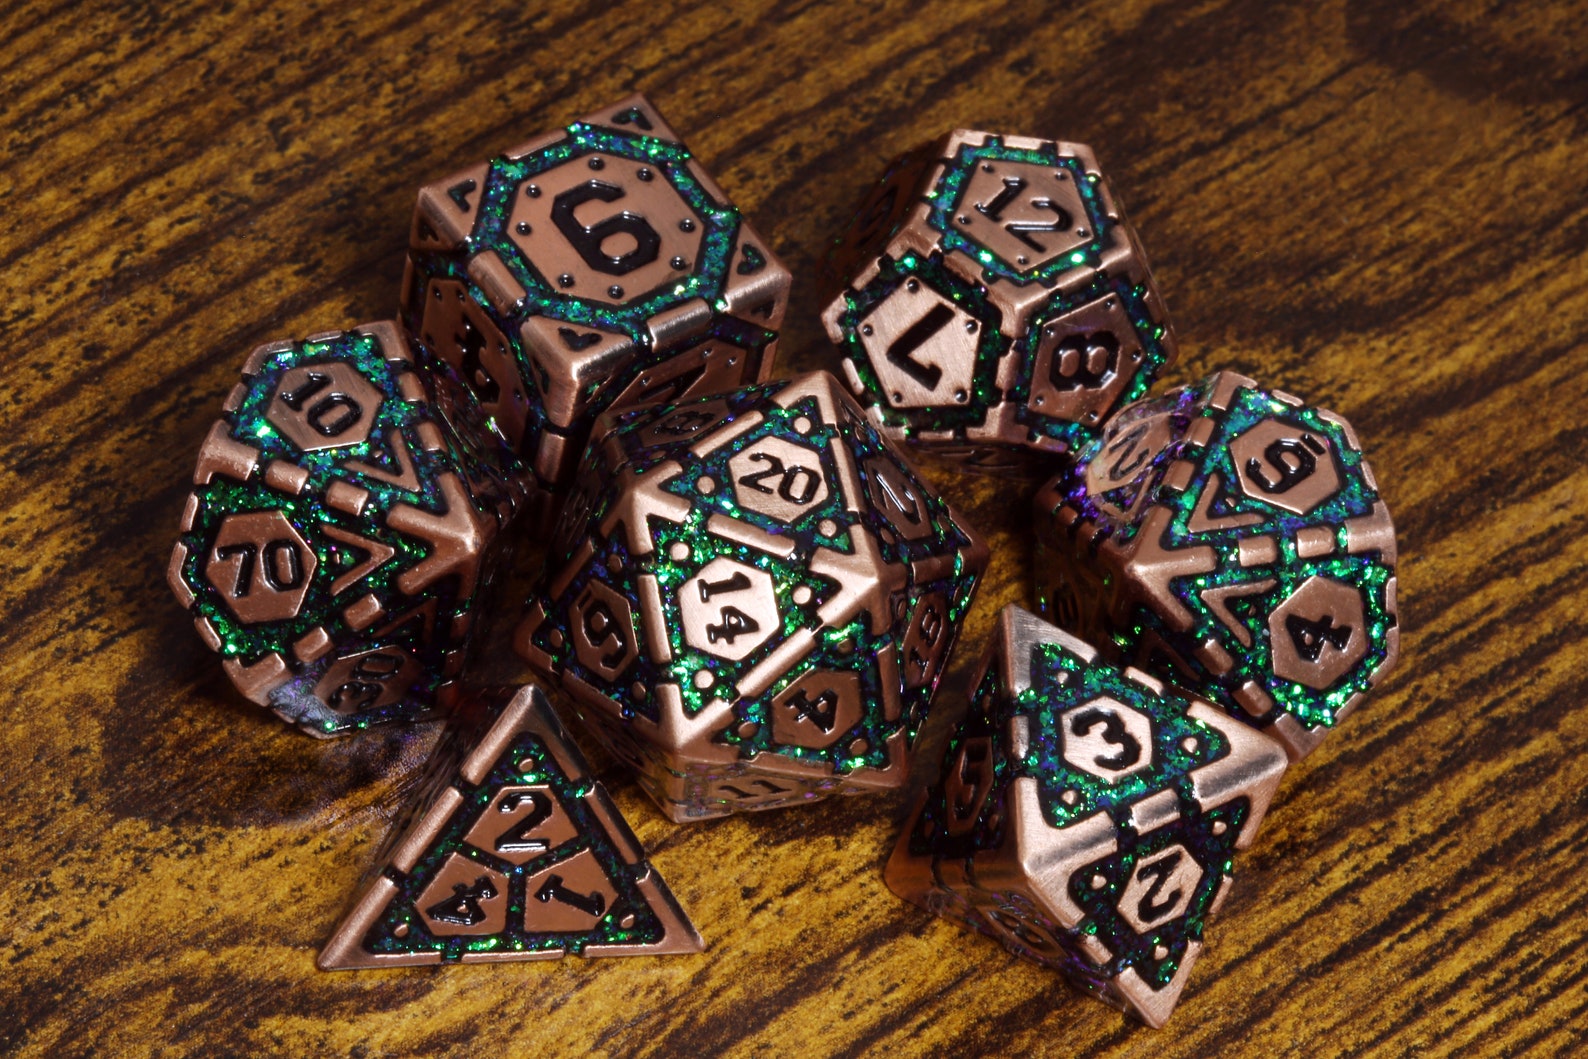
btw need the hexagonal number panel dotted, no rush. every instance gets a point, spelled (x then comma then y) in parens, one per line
(605, 228)
(1107, 739)
(729, 609)
(817, 709)
(1027, 214)
(922, 345)
(1319, 633)
(778, 478)
(1160, 889)
(324, 406)
(261, 566)
(1285, 465)
(603, 630)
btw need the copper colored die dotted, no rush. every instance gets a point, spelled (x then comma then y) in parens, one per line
(1232, 540)
(593, 267)
(995, 301)
(1086, 818)
(752, 598)
(510, 850)
(345, 519)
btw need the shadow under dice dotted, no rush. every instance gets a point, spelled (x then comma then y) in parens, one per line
(752, 598)
(1231, 540)
(510, 851)
(346, 517)
(1085, 818)
(594, 267)
(995, 300)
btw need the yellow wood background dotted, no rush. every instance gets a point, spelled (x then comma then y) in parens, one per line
(1381, 207)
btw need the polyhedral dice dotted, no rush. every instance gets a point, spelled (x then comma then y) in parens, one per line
(1231, 540)
(752, 598)
(510, 850)
(346, 516)
(594, 267)
(1086, 818)
(995, 300)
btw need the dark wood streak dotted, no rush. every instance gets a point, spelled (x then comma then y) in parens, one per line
(1382, 209)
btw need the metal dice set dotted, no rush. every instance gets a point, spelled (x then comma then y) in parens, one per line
(750, 594)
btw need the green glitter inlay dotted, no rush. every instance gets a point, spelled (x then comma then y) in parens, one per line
(1061, 682)
(944, 200)
(1051, 696)
(308, 512)
(526, 761)
(850, 647)
(984, 395)
(1355, 498)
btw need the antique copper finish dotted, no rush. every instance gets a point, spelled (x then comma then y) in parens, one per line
(1063, 827)
(1201, 535)
(752, 599)
(337, 460)
(610, 272)
(508, 817)
(993, 299)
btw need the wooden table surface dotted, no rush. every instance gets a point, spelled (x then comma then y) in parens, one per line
(1383, 208)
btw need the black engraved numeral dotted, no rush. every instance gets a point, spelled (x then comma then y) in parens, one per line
(1310, 635)
(552, 889)
(930, 628)
(1128, 453)
(767, 787)
(1114, 734)
(1101, 347)
(735, 622)
(737, 583)
(282, 567)
(344, 409)
(822, 711)
(369, 677)
(589, 240)
(901, 351)
(1021, 229)
(993, 210)
(600, 624)
(463, 909)
(516, 838)
(667, 390)
(970, 769)
(1295, 458)
(1155, 903)
(683, 423)
(795, 484)
(900, 497)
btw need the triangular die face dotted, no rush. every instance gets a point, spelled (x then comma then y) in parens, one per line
(520, 855)
(1150, 899)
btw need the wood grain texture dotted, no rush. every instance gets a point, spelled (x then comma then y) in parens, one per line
(1380, 207)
